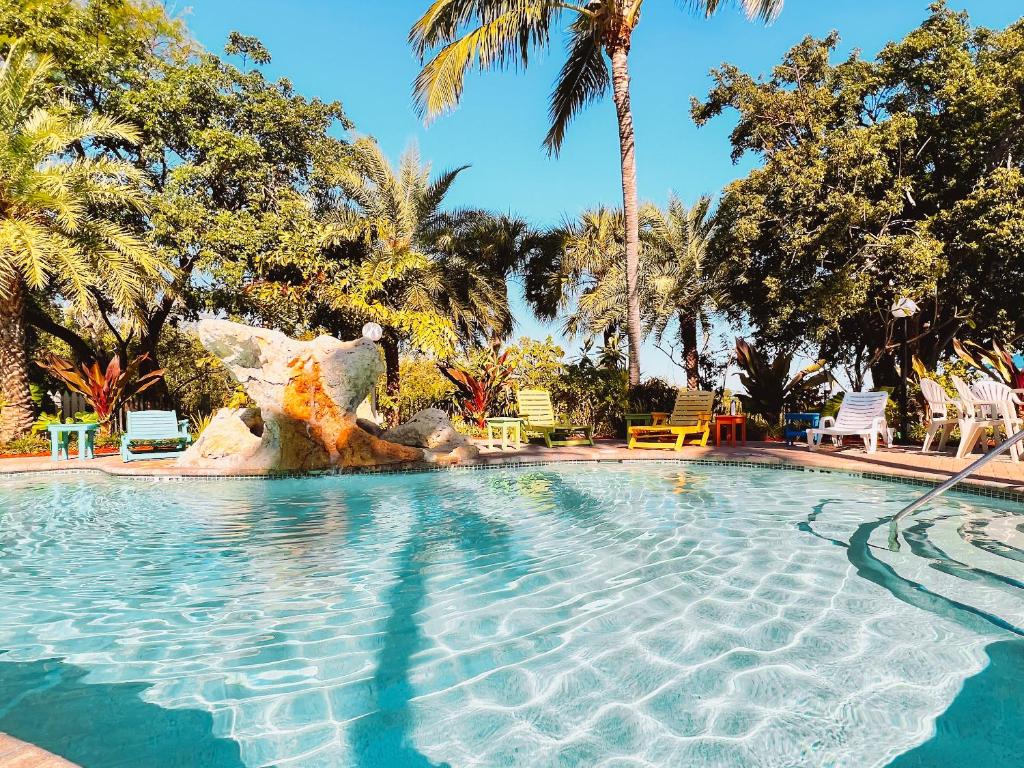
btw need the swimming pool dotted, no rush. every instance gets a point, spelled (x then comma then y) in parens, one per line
(578, 615)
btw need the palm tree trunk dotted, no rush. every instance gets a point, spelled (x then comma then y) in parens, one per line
(392, 382)
(691, 354)
(16, 414)
(619, 55)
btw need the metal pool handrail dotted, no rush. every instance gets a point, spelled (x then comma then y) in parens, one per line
(938, 490)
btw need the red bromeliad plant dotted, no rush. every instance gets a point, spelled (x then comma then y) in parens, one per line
(480, 387)
(998, 362)
(105, 390)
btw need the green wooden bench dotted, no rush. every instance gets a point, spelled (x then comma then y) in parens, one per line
(539, 420)
(154, 427)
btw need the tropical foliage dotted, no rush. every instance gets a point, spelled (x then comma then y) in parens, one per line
(107, 389)
(897, 176)
(580, 274)
(998, 362)
(489, 34)
(56, 229)
(770, 388)
(684, 286)
(480, 387)
(146, 181)
(416, 270)
(536, 364)
(423, 386)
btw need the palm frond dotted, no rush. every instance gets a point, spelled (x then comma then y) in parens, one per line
(506, 31)
(583, 79)
(437, 190)
(765, 10)
(52, 232)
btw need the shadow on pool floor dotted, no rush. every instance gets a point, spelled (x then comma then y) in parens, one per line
(104, 725)
(982, 727)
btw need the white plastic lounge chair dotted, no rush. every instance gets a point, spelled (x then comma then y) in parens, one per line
(974, 420)
(939, 419)
(1002, 402)
(863, 414)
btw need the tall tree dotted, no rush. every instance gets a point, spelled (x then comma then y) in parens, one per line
(588, 272)
(235, 162)
(685, 285)
(56, 226)
(678, 285)
(431, 277)
(488, 34)
(901, 175)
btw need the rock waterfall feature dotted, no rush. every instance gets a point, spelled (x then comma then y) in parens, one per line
(306, 394)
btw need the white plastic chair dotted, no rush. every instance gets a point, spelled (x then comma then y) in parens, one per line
(974, 420)
(1002, 402)
(861, 413)
(939, 419)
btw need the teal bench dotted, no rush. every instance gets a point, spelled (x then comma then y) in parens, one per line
(154, 427)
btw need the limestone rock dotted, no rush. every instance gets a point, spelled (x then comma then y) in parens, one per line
(431, 429)
(239, 439)
(306, 394)
(367, 425)
(464, 453)
(227, 436)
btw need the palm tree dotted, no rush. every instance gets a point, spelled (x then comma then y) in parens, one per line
(590, 273)
(676, 284)
(489, 34)
(683, 285)
(431, 278)
(53, 231)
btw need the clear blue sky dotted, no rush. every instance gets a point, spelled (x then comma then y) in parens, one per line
(356, 51)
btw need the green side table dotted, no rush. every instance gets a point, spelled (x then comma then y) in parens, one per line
(645, 419)
(510, 429)
(637, 420)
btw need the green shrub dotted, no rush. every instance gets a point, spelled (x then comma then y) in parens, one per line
(758, 428)
(536, 364)
(652, 394)
(26, 444)
(592, 394)
(44, 420)
(422, 386)
(587, 394)
(483, 385)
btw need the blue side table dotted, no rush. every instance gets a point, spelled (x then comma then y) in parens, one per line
(60, 440)
(795, 425)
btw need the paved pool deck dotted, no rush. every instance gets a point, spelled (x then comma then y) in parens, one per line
(18, 754)
(1001, 476)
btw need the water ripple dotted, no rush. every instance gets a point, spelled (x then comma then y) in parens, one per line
(581, 615)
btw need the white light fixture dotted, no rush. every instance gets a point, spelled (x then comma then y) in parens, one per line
(372, 331)
(904, 307)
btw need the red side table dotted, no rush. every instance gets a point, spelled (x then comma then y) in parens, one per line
(735, 423)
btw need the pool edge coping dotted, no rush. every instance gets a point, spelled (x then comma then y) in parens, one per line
(985, 489)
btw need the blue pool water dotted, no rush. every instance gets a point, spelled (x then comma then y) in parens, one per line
(583, 615)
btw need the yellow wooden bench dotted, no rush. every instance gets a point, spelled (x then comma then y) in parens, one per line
(690, 417)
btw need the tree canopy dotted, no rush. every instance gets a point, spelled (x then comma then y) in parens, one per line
(900, 176)
(59, 209)
(161, 182)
